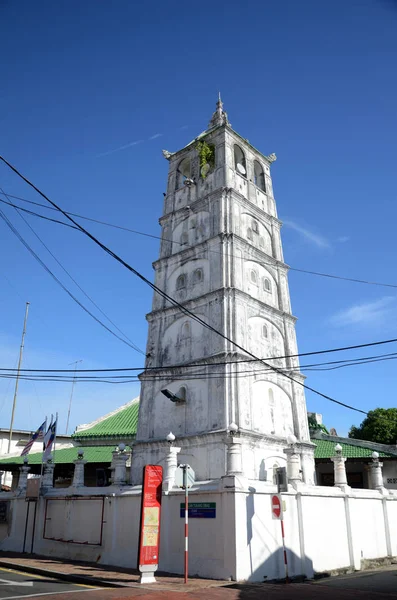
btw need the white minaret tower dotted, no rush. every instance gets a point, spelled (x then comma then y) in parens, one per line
(221, 258)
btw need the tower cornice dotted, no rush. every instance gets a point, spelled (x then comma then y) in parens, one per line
(223, 292)
(191, 252)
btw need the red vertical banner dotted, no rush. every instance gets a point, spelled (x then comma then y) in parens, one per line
(149, 539)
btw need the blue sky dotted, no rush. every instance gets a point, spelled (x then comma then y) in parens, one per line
(90, 94)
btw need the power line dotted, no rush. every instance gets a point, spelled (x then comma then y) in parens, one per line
(233, 362)
(33, 253)
(157, 237)
(172, 300)
(35, 214)
(207, 374)
(75, 282)
(76, 215)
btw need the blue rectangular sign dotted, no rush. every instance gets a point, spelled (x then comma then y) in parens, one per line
(199, 510)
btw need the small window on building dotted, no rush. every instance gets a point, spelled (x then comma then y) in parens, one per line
(261, 242)
(184, 239)
(239, 161)
(267, 285)
(259, 176)
(198, 276)
(183, 172)
(264, 331)
(254, 226)
(254, 277)
(181, 282)
(249, 233)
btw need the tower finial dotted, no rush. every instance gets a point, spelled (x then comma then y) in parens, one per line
(220, 116)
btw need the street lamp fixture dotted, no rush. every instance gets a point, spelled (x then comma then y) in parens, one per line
(172, 396)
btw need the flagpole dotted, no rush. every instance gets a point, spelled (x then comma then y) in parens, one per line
(18, 372)
(45, 431)
(55, 439)
(71, 393)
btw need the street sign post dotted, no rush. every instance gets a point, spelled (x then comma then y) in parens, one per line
(278, 514)
(277, 507)
(190, 476)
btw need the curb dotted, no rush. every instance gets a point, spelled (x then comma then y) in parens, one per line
(70, 577)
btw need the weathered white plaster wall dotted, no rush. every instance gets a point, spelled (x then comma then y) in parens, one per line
(323, 529)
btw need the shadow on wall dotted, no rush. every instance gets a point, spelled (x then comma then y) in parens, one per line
(273, 567)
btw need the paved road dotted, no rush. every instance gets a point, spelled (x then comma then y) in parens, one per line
(382, 580)
(23, 585)
(374, 585)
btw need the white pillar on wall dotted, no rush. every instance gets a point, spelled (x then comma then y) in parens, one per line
(294, 471)
(171, 464)
(234, 453)
(376, 476)
(48, 474)
(23, 476)
(119, 465)
(78, 475)
(340, 478)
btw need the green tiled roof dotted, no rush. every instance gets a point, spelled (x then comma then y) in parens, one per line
(326, 449)
(122, 423)
(92, 454)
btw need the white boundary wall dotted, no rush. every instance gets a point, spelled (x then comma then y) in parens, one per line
(325, 529)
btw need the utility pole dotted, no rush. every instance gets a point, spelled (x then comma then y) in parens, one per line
(17, 379)
(75, 363)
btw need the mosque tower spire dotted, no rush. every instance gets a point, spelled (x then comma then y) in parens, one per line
(220, 116)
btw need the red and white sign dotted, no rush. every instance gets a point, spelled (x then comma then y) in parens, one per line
(149, 539)
(277, 507)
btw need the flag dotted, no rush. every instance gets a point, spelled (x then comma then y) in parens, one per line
(49, 440)
(38, 435)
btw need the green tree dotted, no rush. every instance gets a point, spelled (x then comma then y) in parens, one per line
(379, 426)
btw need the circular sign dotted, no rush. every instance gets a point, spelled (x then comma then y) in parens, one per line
(276, 506)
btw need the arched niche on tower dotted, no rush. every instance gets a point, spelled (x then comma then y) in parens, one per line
(184, 340)
(253, 230)
(259, 283)
(195, 228)
(271, 409)
(189, 280)
(265, 339)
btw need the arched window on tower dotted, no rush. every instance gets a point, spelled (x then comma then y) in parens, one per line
(181, 282)
(254, 226)
(183, 172)
(267, 286)
(239, 161)
(259, 176)
(271, 407)
(249, 234)
(182, 393)
(254, 277)
(198, 276)
(275, 467)
(185, 331)
(184, 239)
(264, 331)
